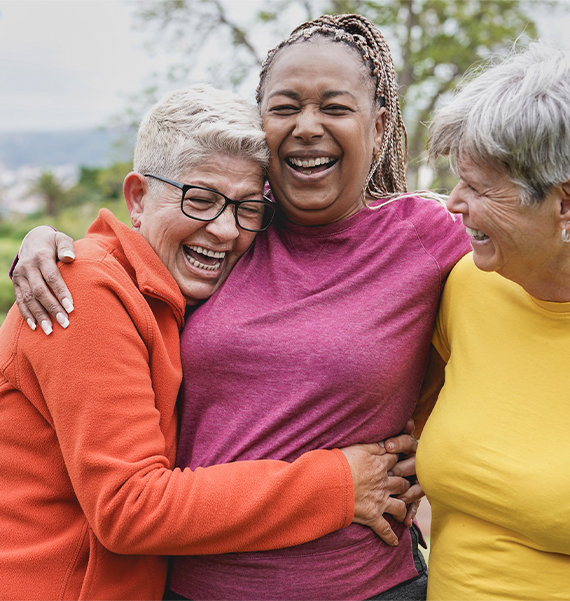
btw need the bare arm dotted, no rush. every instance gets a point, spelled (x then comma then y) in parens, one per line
(38, 285)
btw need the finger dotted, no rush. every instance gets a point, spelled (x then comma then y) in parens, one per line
(396, 508)
(374, 448)
(409, 427)
(411, 513)
(397, 486)
(41, 281)
(53, 278)
(38, 312)
(64, 247)
(403, 443)
(405, 467)
(384, 531)
(413, 494)
(26, 313)
(40, 302)
(28, 304)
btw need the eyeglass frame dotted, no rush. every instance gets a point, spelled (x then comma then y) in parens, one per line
(265, 201)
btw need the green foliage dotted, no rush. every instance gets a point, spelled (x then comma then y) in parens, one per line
(52, 191)
(97, 188)
(8, 249)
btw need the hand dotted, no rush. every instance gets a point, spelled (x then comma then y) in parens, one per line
(375, 491)
(38, 285)
(405, 446)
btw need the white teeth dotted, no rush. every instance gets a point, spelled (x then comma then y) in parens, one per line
(306, 163)
(477, 234)
(193, 261)
(206, 251)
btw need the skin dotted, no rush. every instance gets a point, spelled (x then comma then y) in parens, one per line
(521, 243)
(158, 218)
(319, 103)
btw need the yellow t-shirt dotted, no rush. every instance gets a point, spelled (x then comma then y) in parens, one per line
(494, 457)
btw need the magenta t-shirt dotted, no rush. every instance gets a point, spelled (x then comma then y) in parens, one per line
(318, 339)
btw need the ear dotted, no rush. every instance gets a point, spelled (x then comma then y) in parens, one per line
(135, 189)
(565, 200)
(379, 122)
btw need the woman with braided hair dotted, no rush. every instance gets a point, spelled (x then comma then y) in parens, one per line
(320, 336)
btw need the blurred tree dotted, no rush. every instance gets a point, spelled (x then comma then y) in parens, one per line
(52, 191)
(433, 41)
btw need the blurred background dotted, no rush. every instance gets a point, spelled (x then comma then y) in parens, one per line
(77, 75)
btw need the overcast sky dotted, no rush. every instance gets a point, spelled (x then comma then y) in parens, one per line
(67, 64)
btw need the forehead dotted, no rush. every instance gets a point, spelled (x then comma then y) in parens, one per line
(320, 61)
(225, 166)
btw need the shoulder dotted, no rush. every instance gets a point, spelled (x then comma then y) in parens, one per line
(441, 234)
(430, 218)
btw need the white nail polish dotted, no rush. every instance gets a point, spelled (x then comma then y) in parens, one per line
(62, 320)
(67, 304)
(31, 323)
(46, 327)
(68, 254)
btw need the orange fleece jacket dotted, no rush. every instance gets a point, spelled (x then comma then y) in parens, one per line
(88, 439)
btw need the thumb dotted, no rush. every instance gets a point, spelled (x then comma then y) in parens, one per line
(64, 248)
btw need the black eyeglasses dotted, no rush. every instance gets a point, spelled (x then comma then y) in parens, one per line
(205, 204)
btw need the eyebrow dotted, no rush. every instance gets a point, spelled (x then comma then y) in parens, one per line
(327, 95)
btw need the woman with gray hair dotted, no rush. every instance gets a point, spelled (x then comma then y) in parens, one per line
(494, 455)
(90, 500)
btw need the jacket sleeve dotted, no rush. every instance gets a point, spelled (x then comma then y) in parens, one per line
(93, 384)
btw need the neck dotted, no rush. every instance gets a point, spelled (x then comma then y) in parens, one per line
(554, 286)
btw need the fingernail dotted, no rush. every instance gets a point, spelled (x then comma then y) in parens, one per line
(390, 446)
(68, 254)
(62, 320)
(46, 327)
(31, 323)
(67, 304)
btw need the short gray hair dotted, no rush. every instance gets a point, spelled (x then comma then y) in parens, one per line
(514, 115)
(188, 125)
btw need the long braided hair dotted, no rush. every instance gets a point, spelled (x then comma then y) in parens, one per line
(387, 173)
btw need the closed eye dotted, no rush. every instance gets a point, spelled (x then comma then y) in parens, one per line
(284, 109)
(336, 109)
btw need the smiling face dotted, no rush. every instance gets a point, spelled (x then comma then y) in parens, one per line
(522, 243)
(198, 254)
(323, 129)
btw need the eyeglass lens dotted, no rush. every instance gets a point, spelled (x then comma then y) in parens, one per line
(206, 205)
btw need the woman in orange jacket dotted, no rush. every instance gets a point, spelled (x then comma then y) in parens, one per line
(90, 498)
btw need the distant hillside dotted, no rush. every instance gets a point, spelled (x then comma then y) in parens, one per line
(91, 147)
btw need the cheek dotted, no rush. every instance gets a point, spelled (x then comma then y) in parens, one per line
(271, 128)
(244, 241)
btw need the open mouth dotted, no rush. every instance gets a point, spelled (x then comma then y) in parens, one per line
(204, 258)
(476, 234)
(311, 166)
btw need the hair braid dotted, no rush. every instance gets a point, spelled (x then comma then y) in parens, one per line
(387, 170)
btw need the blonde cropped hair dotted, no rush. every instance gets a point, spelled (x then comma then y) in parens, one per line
(388, 169)
(188, 125)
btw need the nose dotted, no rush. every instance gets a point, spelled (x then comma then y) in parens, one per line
(224, 226)
(308, 123)
(455, 202)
